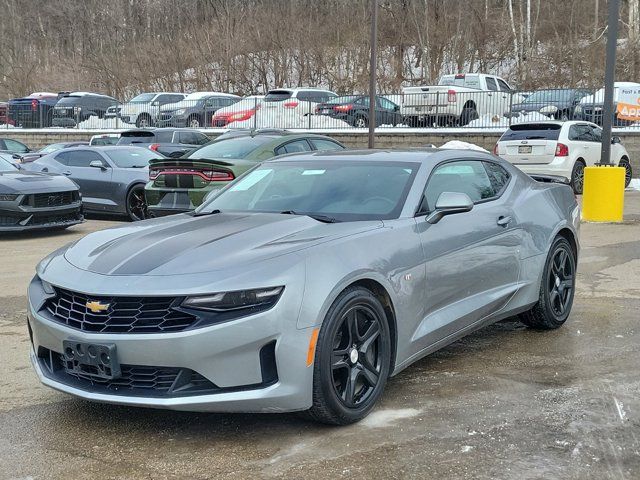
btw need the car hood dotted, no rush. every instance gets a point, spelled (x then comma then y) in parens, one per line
(129, 108)
(181, 104)
(187, 244)
(22, 181)
(534, 107)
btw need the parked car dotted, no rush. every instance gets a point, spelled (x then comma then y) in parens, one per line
(143, 109)
(354, 109)
(306, 284)
(104, 139)
(591, 106)
(457, 100)
(13, 146)
(54, 147)
(33, 201)
(33, 111)
(181, 185)
(170, 142)
(3, 113)
(111, 178)
(195, 110)
(76, 107)
(238, 112)
(559, 148)
(296, 100)
(558, 104)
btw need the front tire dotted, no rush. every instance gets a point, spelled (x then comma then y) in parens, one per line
(556, 288)
(352, 359)
(360, 122)
(194, 122)
(143, 121)
(136, 204)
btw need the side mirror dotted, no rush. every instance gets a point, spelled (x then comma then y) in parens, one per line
(449, 203)
(155, 103)
(615, 139)
(97, 164)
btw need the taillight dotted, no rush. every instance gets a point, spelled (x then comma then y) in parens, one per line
(562, 150)
(210, 175)
(495, 149)
(154, 147)
(153, 173)
(218, 175)
(290, 104)
(34, 104)
(451, 96)
(343, 108)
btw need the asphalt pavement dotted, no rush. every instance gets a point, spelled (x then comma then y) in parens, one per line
(504, 403)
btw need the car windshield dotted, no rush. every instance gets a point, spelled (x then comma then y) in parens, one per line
(131, 157)
(143, 98)
(328, 190)
(6, 165)
(54, 147)
(550, 96)
(233, 147)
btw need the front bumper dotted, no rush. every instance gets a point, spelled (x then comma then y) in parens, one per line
(20, 219)
(65, 122)
(226, 354)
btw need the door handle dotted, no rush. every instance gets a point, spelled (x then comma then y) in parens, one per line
(504, 221)
(67, 173)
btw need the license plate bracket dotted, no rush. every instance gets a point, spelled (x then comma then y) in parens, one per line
(524, 149)
(95, 360)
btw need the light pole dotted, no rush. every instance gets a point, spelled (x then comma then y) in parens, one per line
(609, 73)
(372, 72)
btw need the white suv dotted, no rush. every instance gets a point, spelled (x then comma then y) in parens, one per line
(301, 100)
(559, 148)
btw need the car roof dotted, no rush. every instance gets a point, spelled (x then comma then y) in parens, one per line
(160, 129)
(418, 155)
(104, 148)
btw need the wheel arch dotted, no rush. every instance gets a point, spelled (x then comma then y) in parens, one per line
(131, 186)
(470, 104)
(569, 235)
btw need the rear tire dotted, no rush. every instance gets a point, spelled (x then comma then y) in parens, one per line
(577, 177)
(136, 203)
(352, 358)
(556, 288)
(628, 173)
(194, 122)
(360, 122)
(143, 121)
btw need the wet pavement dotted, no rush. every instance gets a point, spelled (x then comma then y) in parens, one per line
(504, 403)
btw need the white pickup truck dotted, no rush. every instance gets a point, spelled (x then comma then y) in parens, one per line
(457, 100)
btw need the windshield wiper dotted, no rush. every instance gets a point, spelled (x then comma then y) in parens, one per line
(202, 214)
(320, 218)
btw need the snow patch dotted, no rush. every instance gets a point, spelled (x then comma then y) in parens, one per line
(96, 123)
(466, 449)
(458, 145)
(385, 418)
(494, 121)
(634, 184)
(279, 118)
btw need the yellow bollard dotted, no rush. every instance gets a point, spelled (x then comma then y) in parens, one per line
(603, 194)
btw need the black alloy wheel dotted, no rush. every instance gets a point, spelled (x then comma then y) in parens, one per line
(628, 172)
(137, 204)
(577, 177)
(352, 358)
(556, 290)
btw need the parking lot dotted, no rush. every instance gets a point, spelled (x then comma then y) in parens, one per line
(506, 402)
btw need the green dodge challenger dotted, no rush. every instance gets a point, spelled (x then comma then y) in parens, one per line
(180, 184)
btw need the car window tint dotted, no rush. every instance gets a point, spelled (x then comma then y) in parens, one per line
(297, 146)
(385, 103)
(82, 158)
(596, 133)
(491, 84)
(498, 176)
(323, 144)
(164, 137)
(532, 131)
(193, 138)
(15, 146)
(580, 133)
(62, 158)
(467, 176)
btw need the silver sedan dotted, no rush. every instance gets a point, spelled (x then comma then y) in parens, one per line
(305, 283)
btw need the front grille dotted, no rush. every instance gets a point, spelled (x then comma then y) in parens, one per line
(54, 199)
(133, 379)
(8, 221)
(121, 315)
(55, 219)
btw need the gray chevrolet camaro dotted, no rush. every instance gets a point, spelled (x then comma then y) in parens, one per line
(305, 283)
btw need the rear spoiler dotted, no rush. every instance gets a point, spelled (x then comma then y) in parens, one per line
(170, 162)
(550, 178)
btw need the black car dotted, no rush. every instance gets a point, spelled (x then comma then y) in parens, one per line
(558, 104)
(195, 111)
(54, 147)
(13, 146)
(354, 109)
(170, 142)
(33, 111)
(32, 201)
(77, 107)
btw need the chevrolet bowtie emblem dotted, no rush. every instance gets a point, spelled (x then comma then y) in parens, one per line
(97, 307)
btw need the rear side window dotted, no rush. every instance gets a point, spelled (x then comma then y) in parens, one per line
(82, 158)
(581, 133)
(164, 137)
(190, 138)
(491, 84)
(503, 85)
(323, 144)
(498, 176)
(532, 131)
(293, 147)
(278, 95)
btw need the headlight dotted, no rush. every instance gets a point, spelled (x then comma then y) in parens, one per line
(180, 112)
(77, 110)
(241, 301)
(7, 197)
(47, 287)
(549, 109)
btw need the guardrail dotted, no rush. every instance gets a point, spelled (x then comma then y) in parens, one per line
(439, 107)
